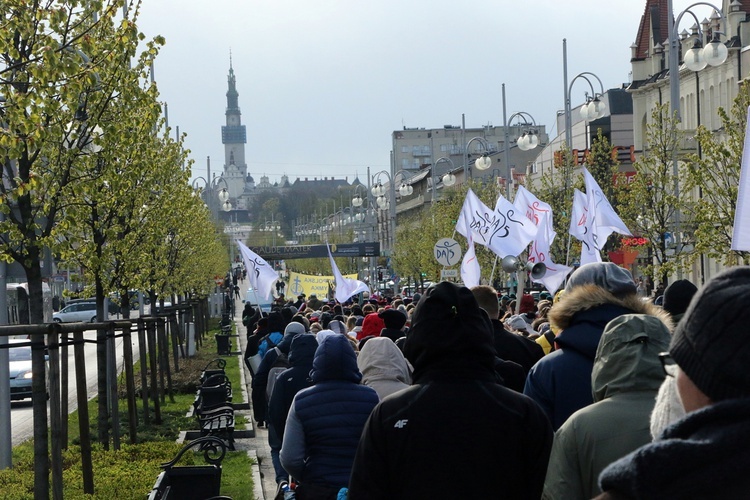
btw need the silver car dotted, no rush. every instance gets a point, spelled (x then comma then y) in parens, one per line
(20, 370)
(78, 312)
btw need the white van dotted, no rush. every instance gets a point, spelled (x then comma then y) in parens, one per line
(256, 300)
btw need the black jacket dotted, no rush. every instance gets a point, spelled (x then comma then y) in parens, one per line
(455, 408)
(706, 454)
(516, 348)
(501, 440)
(392, 333)
(291, 381)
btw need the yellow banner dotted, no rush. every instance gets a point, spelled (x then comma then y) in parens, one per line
(310, 284)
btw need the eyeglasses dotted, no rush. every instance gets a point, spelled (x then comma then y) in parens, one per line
(668, 364)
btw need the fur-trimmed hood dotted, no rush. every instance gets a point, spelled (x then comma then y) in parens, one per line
(587, 297)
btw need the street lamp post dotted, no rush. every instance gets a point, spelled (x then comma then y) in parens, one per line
(592, 110)
(528, 140)
(695, 59)
(385, 198)
(483, 162)
(448, 179)
(212, 189)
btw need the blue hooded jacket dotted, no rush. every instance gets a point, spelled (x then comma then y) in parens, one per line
(326, 420)
(560, 382)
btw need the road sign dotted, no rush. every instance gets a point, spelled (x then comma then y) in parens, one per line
(447, 252)
(449, 273)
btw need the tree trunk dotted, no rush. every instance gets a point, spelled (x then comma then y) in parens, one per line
(38, 368)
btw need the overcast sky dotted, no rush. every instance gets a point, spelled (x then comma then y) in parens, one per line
(322, 85)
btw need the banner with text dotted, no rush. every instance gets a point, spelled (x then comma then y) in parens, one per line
(315, 251)
(310, 284)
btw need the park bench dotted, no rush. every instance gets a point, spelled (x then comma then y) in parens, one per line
(213, 408)
(215, 391)
(213, 367)
(218, 422)
(192, 482)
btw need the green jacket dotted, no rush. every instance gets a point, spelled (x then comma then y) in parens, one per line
(626, 376)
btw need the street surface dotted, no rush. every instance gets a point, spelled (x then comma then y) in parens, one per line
(21, 416)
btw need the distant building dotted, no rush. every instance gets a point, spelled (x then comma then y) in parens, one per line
(415, 149)
(240, 183)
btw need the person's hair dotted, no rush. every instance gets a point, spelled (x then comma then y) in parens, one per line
(325, 308)
(299, 318)
(367, 309)
(486, 297)
(397, 303)
(315, 327)
(351, 322)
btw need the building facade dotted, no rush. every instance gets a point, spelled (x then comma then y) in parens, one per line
(701, 93)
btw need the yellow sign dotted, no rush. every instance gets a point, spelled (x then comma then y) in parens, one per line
(310, 284)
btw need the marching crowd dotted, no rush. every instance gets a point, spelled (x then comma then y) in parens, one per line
(596, 392)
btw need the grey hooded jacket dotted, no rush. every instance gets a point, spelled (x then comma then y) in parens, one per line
(383, 366)
(626, 376)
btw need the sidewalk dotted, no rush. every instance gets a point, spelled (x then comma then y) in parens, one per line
(259, 444)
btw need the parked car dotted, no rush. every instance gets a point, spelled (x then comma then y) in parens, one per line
(256, 300)
(78, 312)
(20, 370)
(114, 306)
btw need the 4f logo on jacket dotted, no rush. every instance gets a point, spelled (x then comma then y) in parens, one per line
(401, 424)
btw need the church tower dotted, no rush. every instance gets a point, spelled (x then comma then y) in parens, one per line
(234, 137)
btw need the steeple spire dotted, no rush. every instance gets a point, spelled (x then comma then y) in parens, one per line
(232, 95)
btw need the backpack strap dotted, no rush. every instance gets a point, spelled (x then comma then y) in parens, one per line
(550, 336)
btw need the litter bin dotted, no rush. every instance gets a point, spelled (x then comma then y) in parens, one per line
(223, 345)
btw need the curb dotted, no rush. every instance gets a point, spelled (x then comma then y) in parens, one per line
(258, 493)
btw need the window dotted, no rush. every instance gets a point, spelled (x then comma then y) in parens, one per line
(404, 163)
(404, 149)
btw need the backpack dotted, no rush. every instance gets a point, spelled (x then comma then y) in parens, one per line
(280, 364)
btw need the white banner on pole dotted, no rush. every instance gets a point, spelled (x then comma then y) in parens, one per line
(741, 234)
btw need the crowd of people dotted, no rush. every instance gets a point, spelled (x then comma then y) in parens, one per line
(595, 392)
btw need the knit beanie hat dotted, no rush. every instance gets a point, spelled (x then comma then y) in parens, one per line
(607, 275)
(527, 303)
(393, 318)
(710, 343)
(294, 328)
(516, 322)
(677, 296)
(372, 325)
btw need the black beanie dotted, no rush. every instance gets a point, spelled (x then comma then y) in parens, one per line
(677, 296)
(711, 343)
(393, 318)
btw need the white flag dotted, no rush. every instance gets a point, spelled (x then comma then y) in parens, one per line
(605, 219)
(580, 227)
(345, 287)
(474, 210)
(261, 275)
(539, 252)
(533, 208)
(470, 271)
(741, 234)
(514, 230)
